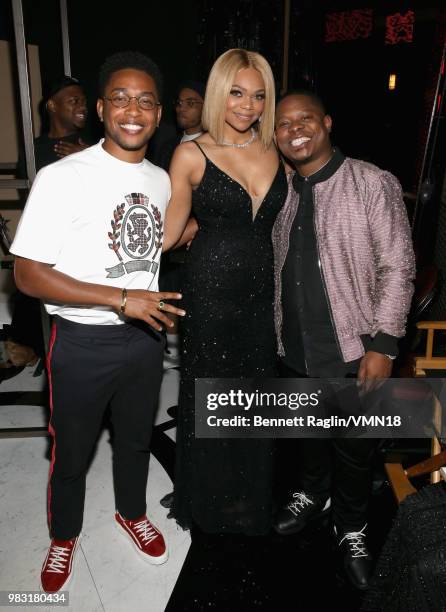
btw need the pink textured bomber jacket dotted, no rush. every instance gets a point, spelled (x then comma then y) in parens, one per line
(365, 253)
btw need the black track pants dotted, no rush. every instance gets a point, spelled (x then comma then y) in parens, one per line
(91, 367)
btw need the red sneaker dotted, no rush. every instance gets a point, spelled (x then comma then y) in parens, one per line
(145, 537)
(57, 567)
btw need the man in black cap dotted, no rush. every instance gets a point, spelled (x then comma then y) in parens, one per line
(66, 106)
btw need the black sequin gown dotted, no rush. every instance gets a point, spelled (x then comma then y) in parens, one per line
(225, 486)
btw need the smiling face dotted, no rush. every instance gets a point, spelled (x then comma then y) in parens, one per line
(68, 110)
(303, 133)
(246, 100)
(128, 130)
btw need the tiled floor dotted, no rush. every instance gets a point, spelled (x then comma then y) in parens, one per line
(222, 573)
(109, 575)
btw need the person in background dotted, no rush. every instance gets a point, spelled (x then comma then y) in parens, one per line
(188, 109)
(66, 108)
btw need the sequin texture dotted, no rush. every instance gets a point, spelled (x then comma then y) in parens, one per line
(228, 332)
(410, 575)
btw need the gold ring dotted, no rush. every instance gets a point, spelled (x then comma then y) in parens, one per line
(161, 305)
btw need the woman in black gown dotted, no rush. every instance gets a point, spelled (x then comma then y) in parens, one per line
(234, 184)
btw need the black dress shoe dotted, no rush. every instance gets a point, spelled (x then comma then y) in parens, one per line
(356, 559)
(172, 412)
(299, 511)
(167, 500)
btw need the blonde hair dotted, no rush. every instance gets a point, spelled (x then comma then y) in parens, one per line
(218, 87)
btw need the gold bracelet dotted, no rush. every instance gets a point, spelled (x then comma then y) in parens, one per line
(123, 300)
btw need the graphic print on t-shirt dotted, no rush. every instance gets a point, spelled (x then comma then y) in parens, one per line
(136, 236)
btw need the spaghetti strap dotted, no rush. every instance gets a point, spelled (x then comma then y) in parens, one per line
(195, 142)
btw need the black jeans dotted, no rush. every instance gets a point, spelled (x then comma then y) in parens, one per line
(337, 468)
(91, 367)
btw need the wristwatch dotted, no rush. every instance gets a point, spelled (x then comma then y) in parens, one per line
(392, 357)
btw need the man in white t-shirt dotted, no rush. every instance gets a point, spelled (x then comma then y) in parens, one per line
(89, 244)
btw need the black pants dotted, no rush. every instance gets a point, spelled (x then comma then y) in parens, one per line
(92, 367)
(337, 468)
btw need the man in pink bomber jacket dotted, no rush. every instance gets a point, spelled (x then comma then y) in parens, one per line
(344, 267)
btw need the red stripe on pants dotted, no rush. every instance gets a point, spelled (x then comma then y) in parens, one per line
(50, 427)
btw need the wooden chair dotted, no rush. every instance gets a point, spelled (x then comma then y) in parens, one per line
(399, 477)
(427, 361)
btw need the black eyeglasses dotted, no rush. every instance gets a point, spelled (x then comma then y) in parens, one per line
(123, 100)
(190, 102)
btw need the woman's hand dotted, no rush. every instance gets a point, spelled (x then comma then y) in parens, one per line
(188, 235)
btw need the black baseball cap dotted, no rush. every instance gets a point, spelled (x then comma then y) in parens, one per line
(58, 84)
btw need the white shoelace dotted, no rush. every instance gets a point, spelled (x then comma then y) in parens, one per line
(301, 500)
(145, 531)
(356, 542)
(57, 559)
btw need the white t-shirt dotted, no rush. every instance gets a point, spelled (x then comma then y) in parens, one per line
(97, 219)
